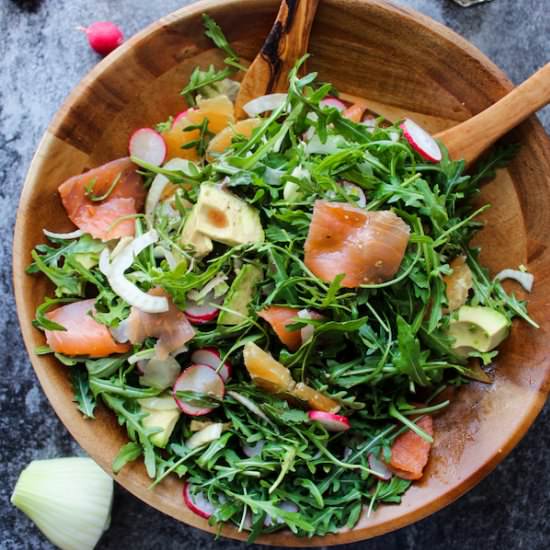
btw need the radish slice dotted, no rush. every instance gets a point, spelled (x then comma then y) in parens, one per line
(331, 101)
(205, 436)
(332, 422)
(254, 450)
(183, 114)
(197, 502)
(199, 315)
(64, 236)
(211, 358)
(263, 104)
(525, 279)
(380, 468)
(148, 145)
(200, 379)
(422, 142)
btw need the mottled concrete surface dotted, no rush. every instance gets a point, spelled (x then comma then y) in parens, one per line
(41, 59)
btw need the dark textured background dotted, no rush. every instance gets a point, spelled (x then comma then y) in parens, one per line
(41, 58)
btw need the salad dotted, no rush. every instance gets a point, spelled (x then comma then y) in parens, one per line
(273, 307)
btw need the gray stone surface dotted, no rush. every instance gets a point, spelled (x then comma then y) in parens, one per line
(41, 59)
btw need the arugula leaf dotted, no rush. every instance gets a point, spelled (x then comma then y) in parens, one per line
(215, 33)
(409, 359)
(82, 395)
(128, 453)
(201, 80)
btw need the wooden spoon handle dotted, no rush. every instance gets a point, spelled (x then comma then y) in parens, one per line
(471, 138)
(286, 43)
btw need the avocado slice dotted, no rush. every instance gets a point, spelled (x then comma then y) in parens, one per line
(240, 295)
(478, 328)
(225, 218)
(191, 236)
(162, 412)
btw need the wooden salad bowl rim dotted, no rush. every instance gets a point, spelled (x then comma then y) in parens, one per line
(484, 423)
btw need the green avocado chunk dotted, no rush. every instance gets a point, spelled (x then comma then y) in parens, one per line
(478, 328)
(240, 295)
(226, 218)
(163, 413)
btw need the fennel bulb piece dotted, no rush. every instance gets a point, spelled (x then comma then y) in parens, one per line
(69, 500)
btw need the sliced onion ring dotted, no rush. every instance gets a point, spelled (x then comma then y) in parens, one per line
(250, 405)
(65, 236)
(121, 285)
(161, 181)
(263, 104)
(525, 279)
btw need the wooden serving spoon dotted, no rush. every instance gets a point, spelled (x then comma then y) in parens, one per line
(286, 43)
(469, 139)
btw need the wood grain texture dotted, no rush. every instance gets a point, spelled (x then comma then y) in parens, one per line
(470, 139)
(286, 42)
(364, 47)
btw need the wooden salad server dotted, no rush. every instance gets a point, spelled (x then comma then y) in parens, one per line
(469, 139)
(286, 43)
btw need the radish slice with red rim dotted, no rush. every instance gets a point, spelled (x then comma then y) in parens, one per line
(379, 467)
(148, 145)
(197, 502)
(211, 357)
(183, 114)
(200, 315)
(332, 422)
(199, 379)
(421, 141)
(331, 101)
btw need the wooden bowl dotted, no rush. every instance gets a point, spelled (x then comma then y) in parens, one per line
(404, 63)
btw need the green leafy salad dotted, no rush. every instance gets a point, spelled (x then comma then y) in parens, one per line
(273, 306)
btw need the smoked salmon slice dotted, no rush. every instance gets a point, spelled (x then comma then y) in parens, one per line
(367, 247)
(410, 453)
(83, 334)
(97, 217)
(171, 327)
(279, 317)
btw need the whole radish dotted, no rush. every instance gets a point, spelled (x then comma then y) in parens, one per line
(103, 36)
